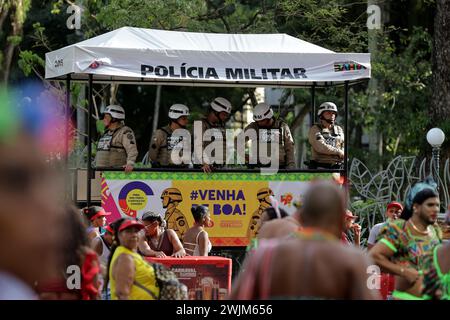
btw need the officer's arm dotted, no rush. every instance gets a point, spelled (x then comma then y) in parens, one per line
(317, 141)
(289, 148)
(129, 143)
(155, 143)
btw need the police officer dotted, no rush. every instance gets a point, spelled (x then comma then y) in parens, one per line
(326, 139)
(263, 196)
(171, 198)
(117, 146)
(269, 130)
(218, 114)
(163, 142)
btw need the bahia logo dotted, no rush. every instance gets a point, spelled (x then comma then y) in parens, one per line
(348, 66)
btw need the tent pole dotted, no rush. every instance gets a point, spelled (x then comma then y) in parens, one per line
(313, 103)
(66, 138)
(89, 164)
(346, 137)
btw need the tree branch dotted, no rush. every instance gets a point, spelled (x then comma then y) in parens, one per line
(252, 20)
(299, 118)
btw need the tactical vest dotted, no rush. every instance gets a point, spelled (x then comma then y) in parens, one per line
(109, 152)
(214, 134)
(171, 143)
(268, 136)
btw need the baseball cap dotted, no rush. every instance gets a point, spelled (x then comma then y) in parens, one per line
(95, 212)
(131, 223)
(394, 204)
(349, 214)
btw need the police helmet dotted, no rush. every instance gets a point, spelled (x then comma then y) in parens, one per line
(220, 104)
(262, 111)
(115, 111)
(327, 106)
(178, 110)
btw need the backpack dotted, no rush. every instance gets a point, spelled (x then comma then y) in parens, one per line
(170, 288)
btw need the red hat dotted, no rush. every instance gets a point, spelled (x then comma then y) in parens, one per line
(394, 204)
(349, 214)
(131, 223)
(95, 212)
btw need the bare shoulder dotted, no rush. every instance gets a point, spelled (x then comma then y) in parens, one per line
(277, 228)
(172, 234)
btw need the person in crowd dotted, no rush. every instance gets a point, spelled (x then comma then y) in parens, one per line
(213, 128)
(351, 226)
(117, 146)
(393, 211)
(299, 267)
(96, 216)
(74, 252)
(270, 130)
(129, 275)
(326, 139)
(196, 241)
(163, 142)
(30, 215)
(279, 228)
(404, 243)
(102, 246)
(436, 283)
(158, 241)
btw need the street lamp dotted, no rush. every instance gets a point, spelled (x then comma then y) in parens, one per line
(435, 138)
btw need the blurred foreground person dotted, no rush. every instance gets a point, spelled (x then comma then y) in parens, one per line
(80, 275)
(312, 263)
(27, 195)
(404, 243)
(279, 226)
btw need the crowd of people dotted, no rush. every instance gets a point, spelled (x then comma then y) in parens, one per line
(117, 146)
(310, 255)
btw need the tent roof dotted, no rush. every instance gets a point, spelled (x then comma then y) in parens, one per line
(150, 56)
(151, 39)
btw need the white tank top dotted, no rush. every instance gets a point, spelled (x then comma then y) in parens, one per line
(105, 252)
(196, 251)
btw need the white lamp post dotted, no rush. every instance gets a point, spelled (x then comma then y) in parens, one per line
(435, 138)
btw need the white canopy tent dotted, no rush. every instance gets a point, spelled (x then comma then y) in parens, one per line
(188, 58)
(147, 56)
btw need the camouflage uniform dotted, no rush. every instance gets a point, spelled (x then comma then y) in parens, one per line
(286, 142)
(161, 146)
(327, 144)
(206, 125)
(116, 148)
